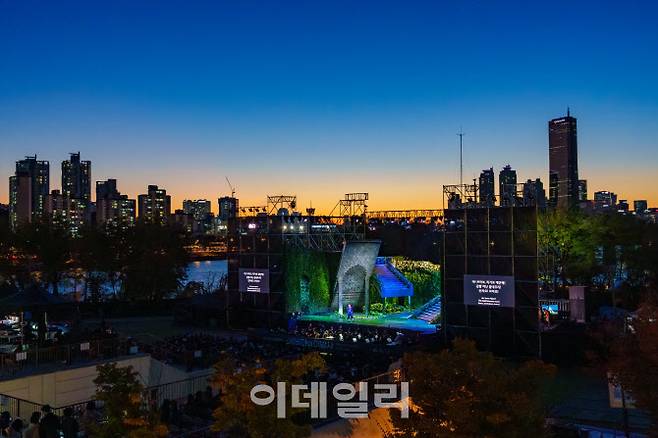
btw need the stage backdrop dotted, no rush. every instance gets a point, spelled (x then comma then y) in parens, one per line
(308, 277)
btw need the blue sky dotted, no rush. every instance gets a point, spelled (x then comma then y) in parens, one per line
(320, 98)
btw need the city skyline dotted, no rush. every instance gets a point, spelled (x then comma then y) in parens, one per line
(321, 100)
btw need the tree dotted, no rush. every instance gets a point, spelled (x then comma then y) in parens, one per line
(238, 416)
(633, 359)
(91, 249)
(121, 394)
(51, 246)
(570, 240)
(466, 393)
(155, 262)
(6, 249)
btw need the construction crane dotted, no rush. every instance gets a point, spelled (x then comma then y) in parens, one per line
(231, 186)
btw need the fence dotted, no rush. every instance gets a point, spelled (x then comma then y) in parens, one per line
(176, 391)
(179, 391)
(18, 407)
(29, 358)
(153, 397)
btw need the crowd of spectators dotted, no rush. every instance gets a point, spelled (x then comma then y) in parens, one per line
(201, 350)
(353, 334)
(194, 413)
(46, 424)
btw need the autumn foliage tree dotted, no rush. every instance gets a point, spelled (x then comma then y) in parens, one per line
(466, 393)
(238, 416)
(118, 389)
(633, 359)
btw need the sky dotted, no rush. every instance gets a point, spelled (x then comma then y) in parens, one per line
(322, 98)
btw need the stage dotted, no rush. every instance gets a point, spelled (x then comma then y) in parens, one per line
(398, 321)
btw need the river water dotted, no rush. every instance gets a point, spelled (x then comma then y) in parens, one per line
(203, 271)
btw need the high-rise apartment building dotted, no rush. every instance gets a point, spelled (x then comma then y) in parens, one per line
(198, 208)
(604, 199)
(487, 188)
(76, 178)
(563, 162)
(582, 190)
(640, 206)
(67, 212)
(28, 189)
(112, 208)
(534, 194)
(228, 208)
(507, 186)
(155, 205)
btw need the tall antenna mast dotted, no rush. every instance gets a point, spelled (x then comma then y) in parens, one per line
(461, 156)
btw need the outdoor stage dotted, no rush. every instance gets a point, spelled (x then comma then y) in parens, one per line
(398, 321)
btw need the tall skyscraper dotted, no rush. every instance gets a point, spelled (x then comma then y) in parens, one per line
(563, 162)
(507, 186)
(155, 205)
(76, 178)
(228, 208)
(487, 188)
(28, 189)
(112, 208)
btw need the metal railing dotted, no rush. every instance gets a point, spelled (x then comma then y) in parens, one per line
(29, 358)
(153, 397)
(179, 390)
(18, 407)
(176, 391)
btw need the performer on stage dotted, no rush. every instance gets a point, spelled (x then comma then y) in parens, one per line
(350, 312)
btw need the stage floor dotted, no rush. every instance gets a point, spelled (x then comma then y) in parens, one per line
(394, 321)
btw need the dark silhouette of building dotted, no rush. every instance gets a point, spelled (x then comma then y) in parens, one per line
(487, 188)
(534, 194)
(198, 208)
(563, 162)
(499, 241)
(507, 186)
(640, 206)
(76, 178)
(155, 205)
(228, 208)
(112, 208)
(604, 200)
(582, 190)
(28, 189)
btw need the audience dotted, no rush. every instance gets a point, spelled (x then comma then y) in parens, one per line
(89, 417)
(354, 334)
(49, 426)
(199, 350)
(69, 424)
(32, 430)
(14, 430)
(5, 420)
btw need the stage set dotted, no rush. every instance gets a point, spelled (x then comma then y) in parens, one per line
(350, 303)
